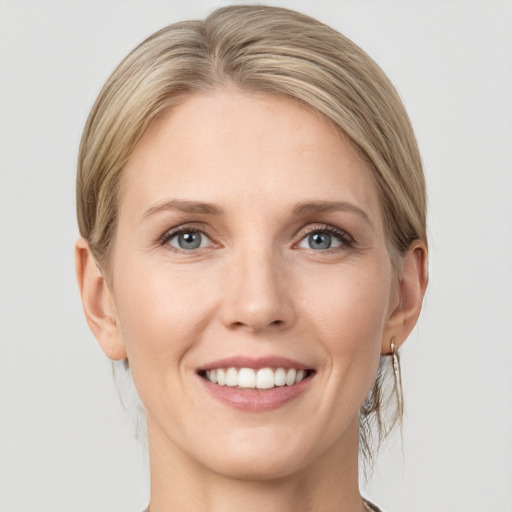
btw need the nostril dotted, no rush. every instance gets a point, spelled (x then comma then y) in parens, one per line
(274, 324)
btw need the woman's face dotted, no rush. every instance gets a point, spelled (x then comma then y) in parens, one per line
(250, 251)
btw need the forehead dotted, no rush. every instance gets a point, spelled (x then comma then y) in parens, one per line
(215, 146)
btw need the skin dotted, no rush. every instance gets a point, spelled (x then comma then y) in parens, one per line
(254, 288)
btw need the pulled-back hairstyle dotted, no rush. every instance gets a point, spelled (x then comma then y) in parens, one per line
(267, 50)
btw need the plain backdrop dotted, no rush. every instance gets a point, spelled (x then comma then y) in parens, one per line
(66, 444)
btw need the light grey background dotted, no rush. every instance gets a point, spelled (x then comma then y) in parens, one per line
(65, 442)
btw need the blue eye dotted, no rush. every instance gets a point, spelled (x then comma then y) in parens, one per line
(319, 241)
(188, 240)
(326, 238)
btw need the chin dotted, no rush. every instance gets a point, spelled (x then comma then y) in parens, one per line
(263, 456)
(263, 468)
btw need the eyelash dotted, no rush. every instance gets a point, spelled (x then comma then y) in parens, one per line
(188, 228)
(343, 237)
(346, 240)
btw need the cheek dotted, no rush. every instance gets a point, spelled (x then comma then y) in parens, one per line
(161, 315)
(349, 309)
(161, 312)
(350, 304)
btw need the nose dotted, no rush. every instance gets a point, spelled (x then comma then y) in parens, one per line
(257, 293)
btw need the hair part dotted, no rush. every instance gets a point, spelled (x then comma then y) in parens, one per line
(268, 50)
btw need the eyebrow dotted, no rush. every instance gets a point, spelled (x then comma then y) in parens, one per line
(183, 206)
(330, 206)
(298, 209)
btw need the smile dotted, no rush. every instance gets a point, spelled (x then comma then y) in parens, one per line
(250, 378)
(256, 384)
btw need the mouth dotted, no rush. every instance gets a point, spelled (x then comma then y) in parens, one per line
(256, 384)
(253, 378)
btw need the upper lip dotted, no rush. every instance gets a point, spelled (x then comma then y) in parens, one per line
(255, 363)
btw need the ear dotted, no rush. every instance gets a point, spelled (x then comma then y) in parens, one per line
(98, 302)
(411, 289)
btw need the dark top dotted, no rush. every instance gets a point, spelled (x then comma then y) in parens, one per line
(373, 507)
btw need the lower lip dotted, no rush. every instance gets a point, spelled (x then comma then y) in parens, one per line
(256, 400)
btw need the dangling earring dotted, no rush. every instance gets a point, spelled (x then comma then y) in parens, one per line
(397, 375)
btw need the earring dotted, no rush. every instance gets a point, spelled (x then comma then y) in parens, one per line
(394, 354)
(397, 374)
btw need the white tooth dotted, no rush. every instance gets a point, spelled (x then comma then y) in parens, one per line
(265, 378)
(232, 377)
(290, 376)
(246, 378)
(212, 375)
(221, 377)
(280, 377)
(300, 376)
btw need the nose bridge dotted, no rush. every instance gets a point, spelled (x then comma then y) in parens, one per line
(257, 295)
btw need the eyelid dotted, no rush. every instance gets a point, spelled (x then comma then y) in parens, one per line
(183, 228)
(345, 237)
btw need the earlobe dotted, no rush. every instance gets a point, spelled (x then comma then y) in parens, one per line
(411, 290)
(97, 302)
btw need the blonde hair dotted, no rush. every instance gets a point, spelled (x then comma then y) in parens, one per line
(265, 50)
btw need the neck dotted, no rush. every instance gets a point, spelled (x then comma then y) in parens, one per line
(328, 485)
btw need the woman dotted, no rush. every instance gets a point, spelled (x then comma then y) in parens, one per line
(252, 210)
